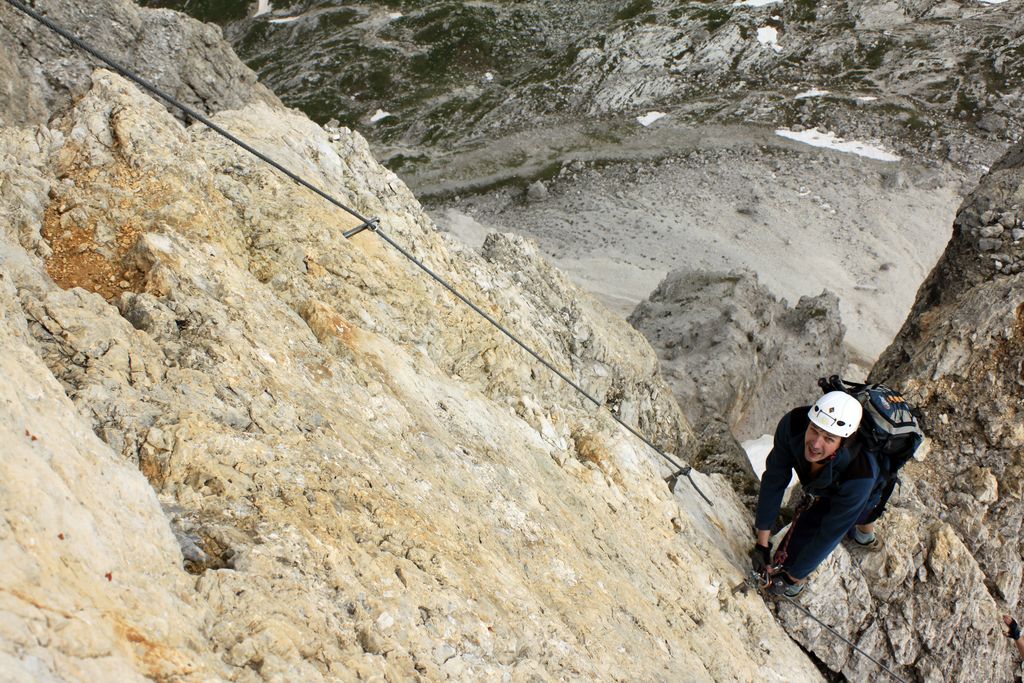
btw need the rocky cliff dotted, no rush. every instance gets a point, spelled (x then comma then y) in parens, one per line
(731, 350)
(240, 447)
(960, 355)
(187, 59)
(952, 556)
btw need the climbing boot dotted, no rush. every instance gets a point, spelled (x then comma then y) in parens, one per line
(862, 541)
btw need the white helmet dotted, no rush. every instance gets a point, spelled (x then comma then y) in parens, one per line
(837, 412)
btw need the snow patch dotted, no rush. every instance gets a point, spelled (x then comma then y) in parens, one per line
(757, 452)
(378, 115)
(828, 139)
(867, 98)
(488, 77)
(756, 3)
(813, 92)
(650, 117)
(394, 15)
(992, 2)
(283, 20)
(769, 35)
(262, 8)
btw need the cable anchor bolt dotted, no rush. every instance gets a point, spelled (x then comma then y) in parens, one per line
(673, 478)
(372, 225)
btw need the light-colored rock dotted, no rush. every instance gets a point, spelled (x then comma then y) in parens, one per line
(731, 350)
(959, 355)
(364, 477)
(187, 59)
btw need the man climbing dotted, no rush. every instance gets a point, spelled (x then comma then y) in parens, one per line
(838, 479)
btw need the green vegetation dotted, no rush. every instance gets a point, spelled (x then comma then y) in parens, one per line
(915, 123)
(920, 43)
(966, 105)
(804, 11)
(874, 56)
(634, 9)
(400, 161)
(216, 11)
(713, 17)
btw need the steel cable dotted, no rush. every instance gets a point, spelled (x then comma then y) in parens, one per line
(367, 223)
(840, 637)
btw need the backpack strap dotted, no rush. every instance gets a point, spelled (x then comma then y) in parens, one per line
(837, 383)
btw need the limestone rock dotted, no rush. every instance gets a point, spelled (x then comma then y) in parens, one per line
(187, 59)
(730, 349)
(276, 454)
(959, 357)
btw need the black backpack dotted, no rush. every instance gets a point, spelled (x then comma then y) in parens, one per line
(890, 428)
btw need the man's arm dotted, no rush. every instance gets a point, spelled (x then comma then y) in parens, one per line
(778, 471)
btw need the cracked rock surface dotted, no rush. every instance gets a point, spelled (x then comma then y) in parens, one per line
(244, 448)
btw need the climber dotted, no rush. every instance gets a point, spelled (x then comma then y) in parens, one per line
(1013, 633)
(838, 480)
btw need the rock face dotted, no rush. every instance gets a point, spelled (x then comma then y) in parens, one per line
(730, 349)
(239, 447)
(243, 448)
(960, 357)
(41, 72)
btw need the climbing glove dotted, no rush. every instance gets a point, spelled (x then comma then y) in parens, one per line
(1014, 633)
(761, 558)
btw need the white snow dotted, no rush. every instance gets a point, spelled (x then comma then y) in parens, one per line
(283, 20)
(650, 117)
(757, 452)
(395, 15)
(262, 8)
(867, 98)
(488, 77)
(769, 35)
(817, 138)
(992, 2)
(813, 92)
(756, 3)
(378, 115)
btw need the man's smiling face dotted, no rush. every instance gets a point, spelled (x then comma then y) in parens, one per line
(819, 445)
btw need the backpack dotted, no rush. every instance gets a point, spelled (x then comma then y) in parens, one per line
(890, 428)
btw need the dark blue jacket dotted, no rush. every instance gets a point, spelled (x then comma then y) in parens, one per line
(843, 489)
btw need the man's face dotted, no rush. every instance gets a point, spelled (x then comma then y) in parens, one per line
(819, 445)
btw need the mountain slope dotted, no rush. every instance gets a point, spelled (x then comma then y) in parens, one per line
(357, 464)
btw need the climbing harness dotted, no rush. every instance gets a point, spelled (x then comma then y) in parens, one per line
(805, 504)
(371, 224)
